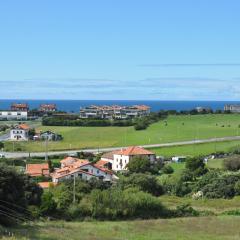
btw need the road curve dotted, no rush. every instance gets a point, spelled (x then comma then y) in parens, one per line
(94, 150)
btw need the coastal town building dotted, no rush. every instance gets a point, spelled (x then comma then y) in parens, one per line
(50, 136)
(13, 115)
(48, 108)
(120, 159)
(203, 109)
(114, 112)
(81, 168)
(20, 133)
(20, 107)
(234, 108)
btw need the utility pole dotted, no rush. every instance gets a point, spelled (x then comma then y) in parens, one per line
(46, 149)
(74, 188)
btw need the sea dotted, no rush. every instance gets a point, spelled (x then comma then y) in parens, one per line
(156, 105)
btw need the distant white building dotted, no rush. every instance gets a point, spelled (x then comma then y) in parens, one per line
(179, 159)
(120, 159)
(13, 115)
(20, 133)
(114, 112)
(234, 108)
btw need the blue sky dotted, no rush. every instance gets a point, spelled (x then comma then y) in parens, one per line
(120, 49)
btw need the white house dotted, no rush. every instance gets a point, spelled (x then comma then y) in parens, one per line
(123, 157)
(102, 173)
(13, 115)
(20, 133)
(81, 168)
(77, 173)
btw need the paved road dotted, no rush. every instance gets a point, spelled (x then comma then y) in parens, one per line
(94, 150)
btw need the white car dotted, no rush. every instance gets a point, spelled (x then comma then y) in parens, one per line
(2, 155)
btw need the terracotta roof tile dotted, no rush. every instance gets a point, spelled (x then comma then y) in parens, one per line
(35, 170)
(134, 150)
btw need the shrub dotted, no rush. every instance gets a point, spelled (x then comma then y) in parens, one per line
(131, 203)
(196, 166)
(232, 164)
(48, 205)
(139, 165)
(216, 185)
(167, 169)
(144, 182)
(185, 210)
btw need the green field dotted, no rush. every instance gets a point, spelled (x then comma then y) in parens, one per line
(216, 206)
(210, 228)
(178, 128)
(197, 149)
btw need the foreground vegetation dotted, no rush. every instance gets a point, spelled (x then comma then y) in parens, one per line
(211, 228)
(174, 128)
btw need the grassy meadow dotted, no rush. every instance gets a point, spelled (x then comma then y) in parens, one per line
(196, 149)
(211, 228)
(178, 128)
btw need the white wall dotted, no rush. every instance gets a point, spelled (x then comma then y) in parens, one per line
(97, 172)
(120, 161)
(19, 115)
(18, 135)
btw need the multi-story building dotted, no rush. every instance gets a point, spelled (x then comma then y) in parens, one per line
(13, 115)
(120, 159)
(234, 108)
(20, 107)
(81, 168)
(114, 112)
(48, 108)
(20, 133)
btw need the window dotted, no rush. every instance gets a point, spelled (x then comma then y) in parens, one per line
(97, 171)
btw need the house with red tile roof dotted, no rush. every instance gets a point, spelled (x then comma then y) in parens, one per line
(19, 107)
(72, 161)
(122, 157)
(38, 170)
(20, 132)
(59, 176)
(81, 168)
(48, 108)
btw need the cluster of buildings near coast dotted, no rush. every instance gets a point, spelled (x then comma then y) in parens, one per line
(22, 112)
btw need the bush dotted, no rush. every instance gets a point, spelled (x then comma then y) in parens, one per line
(185, 210)
(196, 166)
(139, 164)
(144, 182)
(167, 169)
(232, 164)
(216, 185)
(48, 205)
(131, 203)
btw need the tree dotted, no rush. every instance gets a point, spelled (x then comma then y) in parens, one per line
(1, 145)
(145, 182)
(139, 164)
(167, 169)
(48, 204)
(196, 166)
(17, 192)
